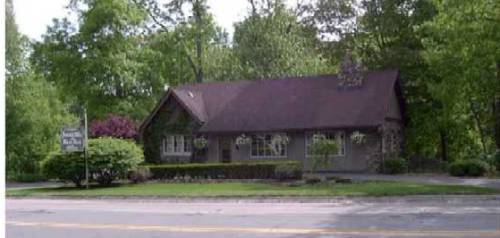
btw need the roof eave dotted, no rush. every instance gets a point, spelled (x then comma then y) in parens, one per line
(274, 130)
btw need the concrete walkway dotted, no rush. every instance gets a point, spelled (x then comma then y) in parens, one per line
(424, 178)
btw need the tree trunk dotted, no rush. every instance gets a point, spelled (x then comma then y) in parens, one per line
(475, 114)
(254, 9)
(197, 11)
(444, 145)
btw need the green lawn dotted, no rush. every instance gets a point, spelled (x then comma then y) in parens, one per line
(234, 189)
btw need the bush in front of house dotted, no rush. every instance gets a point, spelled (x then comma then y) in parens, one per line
(472, 168)
(108, 159)
(282, 170)
(321, 150)
(394, 166)
(68, 167)
(140, 175)
(111, 158)
(286, 171)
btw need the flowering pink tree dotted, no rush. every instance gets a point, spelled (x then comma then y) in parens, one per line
(113, 126)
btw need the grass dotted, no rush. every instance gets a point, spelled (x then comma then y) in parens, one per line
(236, 189)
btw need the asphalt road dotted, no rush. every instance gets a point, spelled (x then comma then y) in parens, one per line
(365, 217)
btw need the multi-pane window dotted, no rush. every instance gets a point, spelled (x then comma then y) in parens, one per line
(391, 142)
(264, 146)
(394, 142)
(338, 136)
(177, 145)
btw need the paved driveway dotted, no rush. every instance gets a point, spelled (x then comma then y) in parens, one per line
(424, 178)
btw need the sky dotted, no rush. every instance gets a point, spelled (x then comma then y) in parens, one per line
(33, 16)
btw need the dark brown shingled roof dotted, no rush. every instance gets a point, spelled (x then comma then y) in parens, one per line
(297, 103)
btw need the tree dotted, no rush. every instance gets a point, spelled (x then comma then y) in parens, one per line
(99, 63)
(196, 27)
(335, 23)
(13, 42)
(462, 50)
(34, 113)
(271, 42)
(113, 126)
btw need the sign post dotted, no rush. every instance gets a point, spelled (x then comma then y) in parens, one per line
(85, 149)
(75, 140)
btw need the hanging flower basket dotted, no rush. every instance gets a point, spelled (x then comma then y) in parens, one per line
(280, 139)
(243, 140)
(200, 143)
(358, 138)
(318, 137)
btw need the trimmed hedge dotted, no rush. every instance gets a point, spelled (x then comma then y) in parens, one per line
(237, 170)
(472, 168)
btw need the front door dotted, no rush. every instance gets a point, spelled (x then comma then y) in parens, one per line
(225, 150)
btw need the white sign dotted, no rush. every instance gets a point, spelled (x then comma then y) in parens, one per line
(72, 140)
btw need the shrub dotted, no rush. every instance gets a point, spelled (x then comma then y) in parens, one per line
(140, 175)
(496, 161)
(287, 171)
(112, 158)
(337, 179)
(312, 180)
(468, 168)
(257, 170)
(108, 159)
(394, 166)
(113, 126)
(65, 167)
(321, 150)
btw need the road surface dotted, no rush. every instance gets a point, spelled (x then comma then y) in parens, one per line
(428, 216)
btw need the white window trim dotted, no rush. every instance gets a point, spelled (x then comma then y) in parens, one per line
(267, 156)
(174, 153)
(337, 136)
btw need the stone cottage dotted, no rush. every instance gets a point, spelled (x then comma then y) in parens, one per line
(276, 119)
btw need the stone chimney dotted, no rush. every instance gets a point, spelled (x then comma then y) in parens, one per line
(351, 72)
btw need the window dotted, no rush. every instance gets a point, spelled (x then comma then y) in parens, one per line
(339, 136)
(394, 144)
(264, 146)
(391, 142)
(177, 145)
